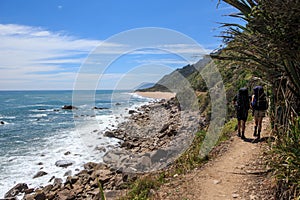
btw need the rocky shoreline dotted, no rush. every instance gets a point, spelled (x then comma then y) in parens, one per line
(152, 138)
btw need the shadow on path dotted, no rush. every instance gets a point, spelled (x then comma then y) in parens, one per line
(263, 139)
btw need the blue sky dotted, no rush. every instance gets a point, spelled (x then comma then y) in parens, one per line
(45, 44)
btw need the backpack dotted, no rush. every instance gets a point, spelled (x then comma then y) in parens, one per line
(243, 103)
(260, 101)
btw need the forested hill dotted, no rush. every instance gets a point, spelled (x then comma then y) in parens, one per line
(171, 80)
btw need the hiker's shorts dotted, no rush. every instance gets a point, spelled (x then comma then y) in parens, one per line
(259, 113)
(241, 115)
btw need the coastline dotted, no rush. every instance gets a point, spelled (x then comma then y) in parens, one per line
(157, 95)
(59, 140)
(148, 134)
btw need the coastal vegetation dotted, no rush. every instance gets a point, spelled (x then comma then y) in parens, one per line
(268, 44)
(263, 50)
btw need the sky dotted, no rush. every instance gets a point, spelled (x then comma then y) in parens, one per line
(115, 44)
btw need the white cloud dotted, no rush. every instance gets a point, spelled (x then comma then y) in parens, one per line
(191, 49)
(159, 49)
(38, 56)
(163, 61)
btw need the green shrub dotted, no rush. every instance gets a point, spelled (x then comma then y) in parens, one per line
(141, 188)
(286, 163)
(228, 129)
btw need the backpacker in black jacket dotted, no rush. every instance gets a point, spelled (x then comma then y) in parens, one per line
(260, 100)
(242, 104)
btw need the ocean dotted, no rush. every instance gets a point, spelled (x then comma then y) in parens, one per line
(37, 132)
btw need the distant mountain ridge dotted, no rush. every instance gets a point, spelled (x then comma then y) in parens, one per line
(144, 85)
(170, 82)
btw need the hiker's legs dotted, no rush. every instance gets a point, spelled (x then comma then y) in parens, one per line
(243, 128)
(259, 127)
(243, 125)
(239, 127)
(258, 116)
(256, 125)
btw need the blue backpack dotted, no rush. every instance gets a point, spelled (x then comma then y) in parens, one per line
(260, 100)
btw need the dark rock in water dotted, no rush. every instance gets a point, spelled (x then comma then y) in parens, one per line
(19, 188)
(67, 153)
(56, 110)
(39, 174)
(68, 107)
(109, 134)
(57, 181)
(63, 163)
(41, 109)
(99, 108)
(100, 148)
(40, 163)
(52, 178)
(68, 173)
(118, 104)
(131, 112)
(2, 122)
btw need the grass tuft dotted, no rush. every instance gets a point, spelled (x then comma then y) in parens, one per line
(286, 163)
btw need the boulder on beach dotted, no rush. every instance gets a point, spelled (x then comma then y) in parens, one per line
(57, 181)
(68, 107)
(19, 188)
(68, 173)
(39, 174)
(109, 134)
(63, 163)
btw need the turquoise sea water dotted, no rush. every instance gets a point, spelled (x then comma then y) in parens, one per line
(37, 132)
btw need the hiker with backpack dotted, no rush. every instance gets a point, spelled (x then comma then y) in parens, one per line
(259, 105)
(241, 102)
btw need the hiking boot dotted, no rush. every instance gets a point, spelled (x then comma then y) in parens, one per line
(243, 135)
(255, 131)
(239, 134)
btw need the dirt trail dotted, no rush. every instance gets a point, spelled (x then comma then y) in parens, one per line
(238, 173)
